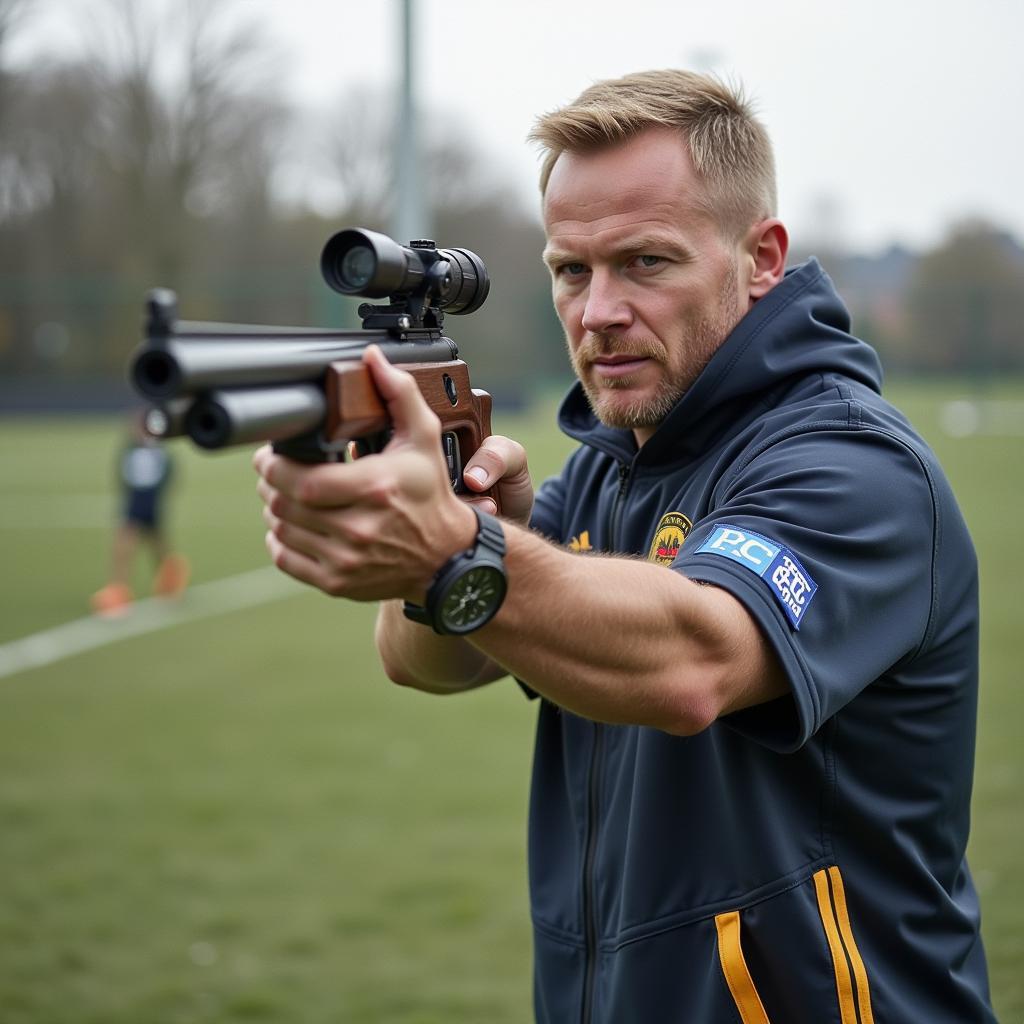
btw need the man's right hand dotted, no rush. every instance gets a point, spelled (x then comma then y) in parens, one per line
(414, 656)
(501, 462)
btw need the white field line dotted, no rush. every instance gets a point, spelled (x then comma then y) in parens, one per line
(233, 593)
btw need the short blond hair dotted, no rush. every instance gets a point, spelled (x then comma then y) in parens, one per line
(728, 145)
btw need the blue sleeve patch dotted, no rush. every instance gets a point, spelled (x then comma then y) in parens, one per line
(787, 579)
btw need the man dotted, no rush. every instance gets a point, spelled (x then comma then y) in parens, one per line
(757, 696)
(144, 475)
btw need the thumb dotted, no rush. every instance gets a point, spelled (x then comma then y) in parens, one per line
(411, 418)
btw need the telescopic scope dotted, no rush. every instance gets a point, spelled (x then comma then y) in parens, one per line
(361, 262)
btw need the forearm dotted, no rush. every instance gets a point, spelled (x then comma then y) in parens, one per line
(625, 641)
(414, 655)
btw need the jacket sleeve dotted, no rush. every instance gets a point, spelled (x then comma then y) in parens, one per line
(829, 539)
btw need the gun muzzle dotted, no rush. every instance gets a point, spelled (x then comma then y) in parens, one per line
(223, 418)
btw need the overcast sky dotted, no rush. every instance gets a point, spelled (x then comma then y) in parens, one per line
(891, 118)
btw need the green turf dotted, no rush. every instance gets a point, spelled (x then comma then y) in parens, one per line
(988, 475)
(238, 819)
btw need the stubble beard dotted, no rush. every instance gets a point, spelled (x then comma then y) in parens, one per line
(694, 352)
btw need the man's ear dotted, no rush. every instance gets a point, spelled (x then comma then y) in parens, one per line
(766, 245)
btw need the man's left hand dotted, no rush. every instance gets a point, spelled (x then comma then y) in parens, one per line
(376, 528)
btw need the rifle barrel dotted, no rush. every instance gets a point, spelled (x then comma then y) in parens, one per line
(245, 415)
(196, 363)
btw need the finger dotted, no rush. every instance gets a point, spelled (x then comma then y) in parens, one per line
(260, 456)
(324, 485)
(497, 458)
(268, 495)
(295, 564)
(408, 411)
(281, 508)
(297, 538)
(499, 465)
(488, 505)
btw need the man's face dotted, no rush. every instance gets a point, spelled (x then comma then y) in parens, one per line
(644, 281)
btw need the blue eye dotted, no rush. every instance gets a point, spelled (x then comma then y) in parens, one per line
(649, 261)
(573, 269)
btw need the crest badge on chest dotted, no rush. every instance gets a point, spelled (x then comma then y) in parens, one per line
(668, 538)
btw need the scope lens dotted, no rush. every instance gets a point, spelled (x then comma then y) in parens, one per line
(360, 262)
(358, 266)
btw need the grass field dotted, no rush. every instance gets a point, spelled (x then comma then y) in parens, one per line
(235, 818)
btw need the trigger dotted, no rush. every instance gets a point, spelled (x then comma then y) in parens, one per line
(453, 459)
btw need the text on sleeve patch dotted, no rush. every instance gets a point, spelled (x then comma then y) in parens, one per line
(787, 579)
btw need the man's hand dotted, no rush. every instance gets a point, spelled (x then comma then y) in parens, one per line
(500, 462)
(382, 526)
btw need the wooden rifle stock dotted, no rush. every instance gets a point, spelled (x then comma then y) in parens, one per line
(356, 410)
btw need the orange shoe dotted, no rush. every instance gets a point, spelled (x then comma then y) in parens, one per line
(112, 601)
(171, 577)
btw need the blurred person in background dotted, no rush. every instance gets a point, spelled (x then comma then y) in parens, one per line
(145, 470)
(758, 686)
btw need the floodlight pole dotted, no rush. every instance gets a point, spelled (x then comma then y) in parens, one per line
(411, 218)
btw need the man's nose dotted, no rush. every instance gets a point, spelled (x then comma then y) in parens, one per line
(606, 308)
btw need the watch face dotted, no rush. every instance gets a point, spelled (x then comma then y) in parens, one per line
(472, 599)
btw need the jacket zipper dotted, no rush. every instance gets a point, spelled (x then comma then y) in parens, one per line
(589, 917)
(616, 516)
(594, 803)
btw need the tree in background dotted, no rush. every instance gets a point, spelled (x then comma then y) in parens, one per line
(513, 342)
(113, 164)
(11, 13)
(163, 154)
(965, 305)
(156, 158)
(187, 125)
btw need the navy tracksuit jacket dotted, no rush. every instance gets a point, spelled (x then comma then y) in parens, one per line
(800, 862)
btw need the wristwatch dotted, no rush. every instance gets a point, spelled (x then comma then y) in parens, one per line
(469, 588)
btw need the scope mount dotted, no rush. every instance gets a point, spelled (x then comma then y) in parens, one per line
(413, 310)
(409, 313)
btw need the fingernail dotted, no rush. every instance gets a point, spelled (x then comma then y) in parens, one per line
(478, 474)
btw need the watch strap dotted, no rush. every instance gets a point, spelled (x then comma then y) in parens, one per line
(489, 534)
(417, 613)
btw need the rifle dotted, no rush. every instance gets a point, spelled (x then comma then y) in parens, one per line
(306, 389)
